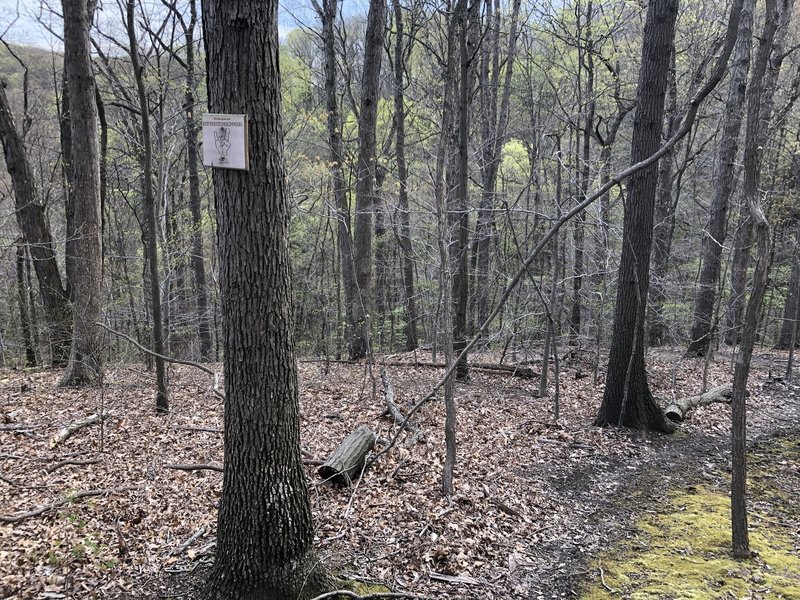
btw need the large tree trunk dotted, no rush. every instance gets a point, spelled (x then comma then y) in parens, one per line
(85, 361)
(664, 220)
(192, 160)
(327, 15)
(32, 220)
(151, 247)
(627, 399)
(365, 176)
(265, 532)
(705, 298)
(404, 233)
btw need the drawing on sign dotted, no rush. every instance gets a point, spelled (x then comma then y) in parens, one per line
(222, 140)
(226, 141)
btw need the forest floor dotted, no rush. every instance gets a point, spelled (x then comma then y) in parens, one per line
(541, 510)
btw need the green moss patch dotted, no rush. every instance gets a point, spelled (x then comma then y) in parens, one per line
(684, 551)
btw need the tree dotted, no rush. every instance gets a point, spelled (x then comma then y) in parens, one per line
(151, 246)
(365, 176)
(85, 361)
(627, 399)
(32, 220)
(705, 297)
(265, 534)
(404, 233)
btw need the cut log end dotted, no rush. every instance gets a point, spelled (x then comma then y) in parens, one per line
(676, 411)
(349, 459)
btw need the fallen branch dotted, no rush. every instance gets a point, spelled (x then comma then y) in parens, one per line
(677, 410)
(67, 432)
(195, 536)
(394, 410)
(169, 359)
(513, 370)
(203, 429)
(453, 578)
(350, 594)
(15, 427)
(61, 502)
(196, 467)
(64, 463)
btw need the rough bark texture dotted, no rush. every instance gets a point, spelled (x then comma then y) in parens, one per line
(265, 533)
(32, 220)
(347, 462)
(151, 247)
(664, 223)
(85, 361)
(365, 176)
(192, 160)
(627, 399)
(327, 14)
(404, 233)
(705, 297)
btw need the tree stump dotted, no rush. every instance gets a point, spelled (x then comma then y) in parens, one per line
(349, 459)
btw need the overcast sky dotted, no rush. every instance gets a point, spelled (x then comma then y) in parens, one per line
(20, 19)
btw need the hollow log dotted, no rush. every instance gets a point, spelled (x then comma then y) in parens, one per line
(677, 410)
(349, 459)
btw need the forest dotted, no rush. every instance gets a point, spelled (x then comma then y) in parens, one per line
(399, 299)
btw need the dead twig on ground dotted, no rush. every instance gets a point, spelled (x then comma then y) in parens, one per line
(64, 463)
(61, 502)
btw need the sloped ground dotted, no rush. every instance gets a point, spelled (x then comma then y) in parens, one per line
(535, 503)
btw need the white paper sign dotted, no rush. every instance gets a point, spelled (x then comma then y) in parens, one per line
(226, 141)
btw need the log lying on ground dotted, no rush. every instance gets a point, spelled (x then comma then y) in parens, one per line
(67, 432)
(513, 370)
(678, 409)
(349, 459)
(394, 410)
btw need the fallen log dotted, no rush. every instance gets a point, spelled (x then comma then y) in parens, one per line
(67, 432)
(513, 370)
(394, 410)
(678, 409)
(349, 459)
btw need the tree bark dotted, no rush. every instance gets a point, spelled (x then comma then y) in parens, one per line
(327, 14)
(32, 220)
(705, 297)
(265, 532)
(22, 301)
(192, 160)
(85, 362)
(151, 247)
(349, 459)
(760, 101)
(627, 399)
(365, 177)
(404, 233)
(792, 304)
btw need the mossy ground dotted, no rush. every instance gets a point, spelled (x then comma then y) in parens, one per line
(683, 549)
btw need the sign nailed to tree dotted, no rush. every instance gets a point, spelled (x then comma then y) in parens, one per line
(226, 141)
